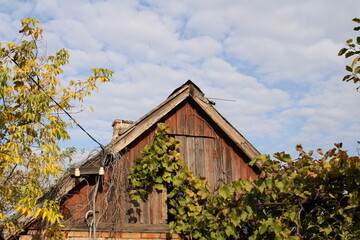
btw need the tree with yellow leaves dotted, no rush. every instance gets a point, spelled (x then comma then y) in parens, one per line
(352, 50)
(32, 98)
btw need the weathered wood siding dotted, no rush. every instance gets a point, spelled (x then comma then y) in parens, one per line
(206, 150)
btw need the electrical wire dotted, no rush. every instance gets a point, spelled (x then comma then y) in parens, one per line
(67, 113)
(93, 223)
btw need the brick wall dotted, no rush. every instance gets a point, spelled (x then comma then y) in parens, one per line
(77, 235)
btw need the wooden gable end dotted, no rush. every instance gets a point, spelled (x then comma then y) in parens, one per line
(206, 149)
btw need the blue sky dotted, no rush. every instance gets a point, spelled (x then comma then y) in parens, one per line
(277, 59)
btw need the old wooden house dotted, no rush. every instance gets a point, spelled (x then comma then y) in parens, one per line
(98, 188)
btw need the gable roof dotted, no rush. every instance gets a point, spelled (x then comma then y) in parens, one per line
(187, 90)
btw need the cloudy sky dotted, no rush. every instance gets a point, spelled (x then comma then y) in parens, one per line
(277, 59)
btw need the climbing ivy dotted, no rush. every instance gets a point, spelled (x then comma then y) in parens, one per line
(315, 196)
(158, 165)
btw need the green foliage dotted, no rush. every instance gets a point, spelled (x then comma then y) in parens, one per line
(31, 125)
(352, 50)
(158, 165)
(305, 198)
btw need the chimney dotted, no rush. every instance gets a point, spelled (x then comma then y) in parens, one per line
(119, 126)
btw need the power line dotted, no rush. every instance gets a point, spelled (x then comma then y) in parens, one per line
(68, 114)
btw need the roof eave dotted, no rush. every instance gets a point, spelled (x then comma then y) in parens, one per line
(149, 120)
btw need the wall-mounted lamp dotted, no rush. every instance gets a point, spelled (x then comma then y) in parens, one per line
(101, 171)
(77, 172)
(86, 171)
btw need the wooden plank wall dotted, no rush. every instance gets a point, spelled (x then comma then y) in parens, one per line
(205, 148)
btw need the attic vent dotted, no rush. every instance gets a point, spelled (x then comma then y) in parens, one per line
(119, 126)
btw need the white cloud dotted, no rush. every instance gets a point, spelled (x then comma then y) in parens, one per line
(74, 34)
(277, 59)
(208, 23)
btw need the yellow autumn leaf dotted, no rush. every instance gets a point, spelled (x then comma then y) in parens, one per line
(312, 174)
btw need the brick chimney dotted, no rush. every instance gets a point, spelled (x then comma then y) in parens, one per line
(119, 126)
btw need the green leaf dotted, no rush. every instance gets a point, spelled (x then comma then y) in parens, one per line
(347, 78)
(159, 187)
(357, 70)
(292, 216)
(342, 51)
(292, 238)
(348, 68)
(262, 228)
(197, 234)
(248, 186)
(249, 210)
(269, 182)
(349, 54)
(299, 148)
(243, 215)
(254, 236)
(327, 230)
(280, 186)
(261, 185)
(238, 186)
(178, 181)
(225, 191)
(230, 231)
(277, 229)
(320, 219)
(357, 20)
(172, 225)
(354, 62)
(253, 161)
(319, 150)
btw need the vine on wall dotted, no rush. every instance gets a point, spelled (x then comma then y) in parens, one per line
(315, 196)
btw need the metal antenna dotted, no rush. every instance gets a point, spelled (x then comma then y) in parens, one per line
(223, 99)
